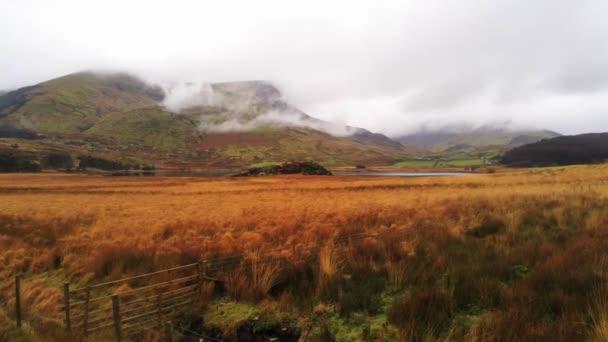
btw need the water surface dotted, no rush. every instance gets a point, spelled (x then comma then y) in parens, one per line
(225, 172)
(399, 174)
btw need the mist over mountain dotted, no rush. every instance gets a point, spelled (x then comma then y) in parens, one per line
(454, 137)
(236, 123)
(250, 105)
(228, 124)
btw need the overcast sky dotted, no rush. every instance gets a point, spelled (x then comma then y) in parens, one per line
(387, 66)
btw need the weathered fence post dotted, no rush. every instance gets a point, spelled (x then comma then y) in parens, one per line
(86, 310)
(66, 303)
(168, 332)
(116, 316)
(18, 300)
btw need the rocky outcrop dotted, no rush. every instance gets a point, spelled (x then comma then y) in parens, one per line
(299, 167)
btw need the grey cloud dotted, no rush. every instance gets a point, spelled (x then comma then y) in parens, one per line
(390, 66)
(442, 96)
(584, 80)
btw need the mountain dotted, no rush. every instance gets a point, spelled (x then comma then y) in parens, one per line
(117, 116)
(467, 139)
(366, 137)
(563, 150)
(74, 103)
(249, 122)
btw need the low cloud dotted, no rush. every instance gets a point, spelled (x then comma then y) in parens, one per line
(278, 119)
(183, 95)
(240, 102)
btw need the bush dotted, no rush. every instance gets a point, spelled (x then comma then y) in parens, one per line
(100, 163)
(58, 160)
(10, 162)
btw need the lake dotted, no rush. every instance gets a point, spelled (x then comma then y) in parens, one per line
(400, 174)
(224, 173)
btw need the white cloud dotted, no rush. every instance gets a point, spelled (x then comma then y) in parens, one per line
(277, 119)
(182, 95)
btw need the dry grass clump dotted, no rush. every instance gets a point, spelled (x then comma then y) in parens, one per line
(329, 265)
(252, 280)
(598, 330)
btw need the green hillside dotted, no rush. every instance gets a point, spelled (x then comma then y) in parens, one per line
(74, 103)
(153, 127)
(493, 137)
(471, 140)
(118, 116)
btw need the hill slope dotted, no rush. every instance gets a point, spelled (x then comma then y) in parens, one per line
(229, 124)
(452, 141)
(564, 150)
(290, 143)
(74, 103)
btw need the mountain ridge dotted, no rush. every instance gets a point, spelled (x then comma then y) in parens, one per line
(445, 139)
(119, 115)
(586, 148)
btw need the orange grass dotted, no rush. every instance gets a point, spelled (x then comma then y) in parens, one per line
(92, 228)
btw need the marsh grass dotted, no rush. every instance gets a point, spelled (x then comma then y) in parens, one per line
(501, 257)
(598, 313)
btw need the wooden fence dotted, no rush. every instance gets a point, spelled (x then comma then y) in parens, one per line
(135, 304)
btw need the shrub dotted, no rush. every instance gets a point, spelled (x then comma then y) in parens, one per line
(86, 162)
(57, 160)
(10, 162)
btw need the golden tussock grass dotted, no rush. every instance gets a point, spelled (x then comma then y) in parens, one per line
(486, 241)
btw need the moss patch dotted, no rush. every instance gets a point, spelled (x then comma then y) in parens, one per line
(228, 316)
(357, 326)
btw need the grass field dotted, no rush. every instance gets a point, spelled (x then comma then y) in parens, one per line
(516, 256)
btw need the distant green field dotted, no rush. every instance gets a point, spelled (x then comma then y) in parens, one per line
(415, 163)
(265, 163)
(431, 163)
(465, 162)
